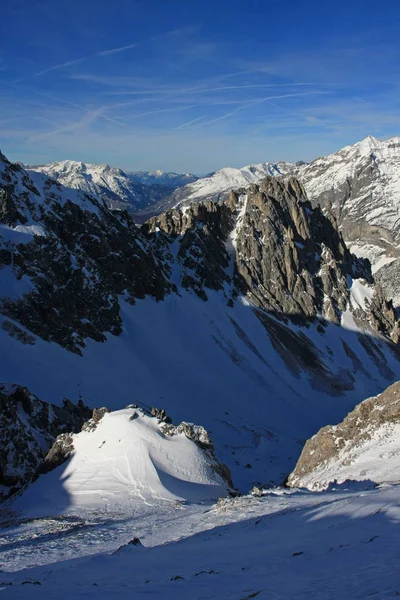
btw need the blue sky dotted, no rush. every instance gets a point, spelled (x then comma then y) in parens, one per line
(195, 85)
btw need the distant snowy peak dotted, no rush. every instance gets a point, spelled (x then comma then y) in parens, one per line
(174, 180)
(218, 185)
(361, 185)
(116, 187)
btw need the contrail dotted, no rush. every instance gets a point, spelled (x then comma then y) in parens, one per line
(191, 122)
(115, 50)
(54, 68)
(76, 61)
(75, 105)
(100, 53)
(260, 101)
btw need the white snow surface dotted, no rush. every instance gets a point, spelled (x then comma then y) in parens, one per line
(91, 178)
(223, 181)
(124, 463)
(189, 357)
(341, 544)
(380, 202)
(376, 460)
(361, 295)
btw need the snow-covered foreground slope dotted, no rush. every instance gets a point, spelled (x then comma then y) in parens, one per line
(364, 446)
(340, 544)
(127, 460)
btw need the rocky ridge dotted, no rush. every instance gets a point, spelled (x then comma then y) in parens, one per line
(364, 446)
(267, 244)
(28, 428)
(359, 184)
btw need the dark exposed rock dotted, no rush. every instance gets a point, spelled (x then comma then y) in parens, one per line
(28, 428)
(60, 451)
(9, 214)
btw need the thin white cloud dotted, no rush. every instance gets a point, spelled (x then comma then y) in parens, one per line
(53, 68)
(89, 118)
(106, 52)
(260, 101)
(191, 122)
(116, 50)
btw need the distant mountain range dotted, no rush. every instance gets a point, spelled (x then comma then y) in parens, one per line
(136, 191)
(359, 183)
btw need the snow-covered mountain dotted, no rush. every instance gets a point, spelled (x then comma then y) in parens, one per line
(169, 179)
(360, 184)
(133, 191)
(217, 186)
(249, 317)
(124, 460)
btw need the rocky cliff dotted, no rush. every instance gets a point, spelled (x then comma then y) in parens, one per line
(364, 446)
(28, 428)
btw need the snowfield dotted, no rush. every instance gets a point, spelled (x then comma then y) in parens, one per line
(193, 359)
(338, 544)
(125, 462)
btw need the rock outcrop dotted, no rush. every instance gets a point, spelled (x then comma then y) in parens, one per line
(364, 446)
(28, 428)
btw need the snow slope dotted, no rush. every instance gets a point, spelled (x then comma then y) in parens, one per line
(189, 357)
(341, 544)
(126, 461)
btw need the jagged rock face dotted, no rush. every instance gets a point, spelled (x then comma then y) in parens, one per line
(291, 259)
(287, 257)
(28, 427)
(201, 252)
(388, 276)
(82, 260)
(363, 446)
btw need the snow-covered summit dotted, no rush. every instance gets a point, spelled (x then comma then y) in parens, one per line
(119, 189)
(217, 185)
(102, 181)
(129, 458)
